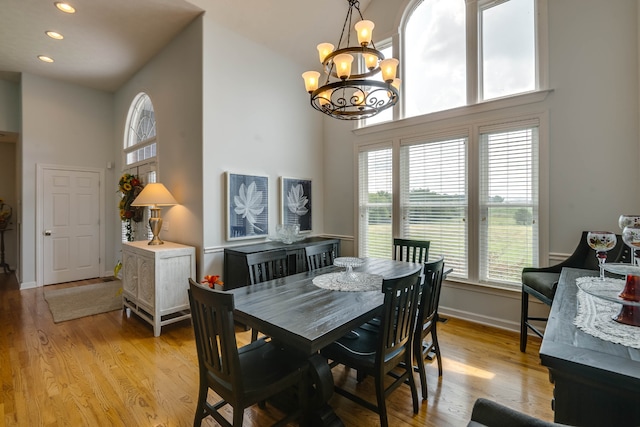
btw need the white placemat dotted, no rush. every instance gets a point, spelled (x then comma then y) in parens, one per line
(356, 282)
(595, 317)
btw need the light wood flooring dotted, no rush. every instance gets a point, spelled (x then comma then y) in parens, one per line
(109, 370)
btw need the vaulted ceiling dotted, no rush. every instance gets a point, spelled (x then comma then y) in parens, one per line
(107, 41)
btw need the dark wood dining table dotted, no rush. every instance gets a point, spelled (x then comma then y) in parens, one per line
(596, 382)
(306, 318)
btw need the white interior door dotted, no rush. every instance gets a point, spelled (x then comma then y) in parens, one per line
(71, 225)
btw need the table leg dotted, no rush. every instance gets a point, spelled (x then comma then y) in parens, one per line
(321, 413)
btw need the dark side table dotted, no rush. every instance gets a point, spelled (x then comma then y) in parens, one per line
(3, 264)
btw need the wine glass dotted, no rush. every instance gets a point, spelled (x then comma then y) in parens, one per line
(631, 237)
(630, 221)
(601, 242)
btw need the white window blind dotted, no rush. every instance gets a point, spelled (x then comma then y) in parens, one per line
(375, 203)
(434, 198)
(508, 203)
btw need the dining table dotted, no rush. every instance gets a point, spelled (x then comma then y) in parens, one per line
(305, 317)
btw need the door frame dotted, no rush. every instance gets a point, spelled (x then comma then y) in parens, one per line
(40, 169)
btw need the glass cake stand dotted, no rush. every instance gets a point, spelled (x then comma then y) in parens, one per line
(349, 276)
(628, 296)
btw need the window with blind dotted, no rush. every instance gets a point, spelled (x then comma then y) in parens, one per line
(508, 203)
(474, 195)
(434, 198)
(375, 203)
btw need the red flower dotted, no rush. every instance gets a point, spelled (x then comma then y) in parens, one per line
(135, 182)
(212, 280)
(128, 214)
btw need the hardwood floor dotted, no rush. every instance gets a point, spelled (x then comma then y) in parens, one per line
(109, 370)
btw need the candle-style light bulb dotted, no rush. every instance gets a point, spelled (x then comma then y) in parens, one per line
(311, 80)
(389, 68)
(364, 30)
(343, 65)
(324, 49)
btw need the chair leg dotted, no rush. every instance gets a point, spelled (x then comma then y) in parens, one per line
(380, 396)
(524, 314)
(412, 384)
(238, 416)
(254, 334)
(200, 414)
(419, 357)
(436, 347)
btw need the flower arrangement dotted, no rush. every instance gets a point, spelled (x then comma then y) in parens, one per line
(211, 281)
(129, 187)
(5, 214)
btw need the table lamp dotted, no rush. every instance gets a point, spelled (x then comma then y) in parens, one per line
(155, 195)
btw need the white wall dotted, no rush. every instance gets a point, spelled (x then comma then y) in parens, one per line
(62, 124)
(173, 81)
(257, 120)
(593, 138)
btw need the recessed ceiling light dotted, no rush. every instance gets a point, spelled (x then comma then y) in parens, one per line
(54, 35)
(44, 58)
(65, 7)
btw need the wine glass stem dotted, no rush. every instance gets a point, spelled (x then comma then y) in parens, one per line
(602, 257)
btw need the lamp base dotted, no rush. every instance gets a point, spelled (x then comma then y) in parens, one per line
(155, 223)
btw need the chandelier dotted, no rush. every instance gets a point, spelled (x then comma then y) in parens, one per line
(352, 90)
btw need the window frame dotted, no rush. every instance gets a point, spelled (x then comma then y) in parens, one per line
(145, 169)
(474, 103)
(472, 127)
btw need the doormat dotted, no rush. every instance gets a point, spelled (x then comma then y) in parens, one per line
(86, 300)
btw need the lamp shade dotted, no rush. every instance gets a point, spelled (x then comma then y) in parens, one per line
(154, 194)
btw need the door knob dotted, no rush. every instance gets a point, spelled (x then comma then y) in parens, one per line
(47, 232)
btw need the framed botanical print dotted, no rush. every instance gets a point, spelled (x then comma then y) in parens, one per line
(247, 206)
(295, 202)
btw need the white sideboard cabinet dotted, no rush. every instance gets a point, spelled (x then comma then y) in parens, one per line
(155, 281)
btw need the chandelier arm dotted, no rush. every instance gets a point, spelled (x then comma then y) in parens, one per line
(346, 21)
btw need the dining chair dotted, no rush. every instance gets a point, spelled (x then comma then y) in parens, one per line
(379, 351)
(268, 265)
(541, 282)
(487, 413)
(240, 376)
(319, 256)
(264, 266)
(427, 322)
(410, 250)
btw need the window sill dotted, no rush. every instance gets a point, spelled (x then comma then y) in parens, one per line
(491, 105)
(487, 288)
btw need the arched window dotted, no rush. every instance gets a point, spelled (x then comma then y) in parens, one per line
(140, 158)
(140, 138)
(435, 57)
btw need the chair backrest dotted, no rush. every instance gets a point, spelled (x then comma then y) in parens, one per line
(410, 250)
(398, 318)
(585, 257)
(268, 265)
(212, 318)
(430, 295)
(319, 256)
